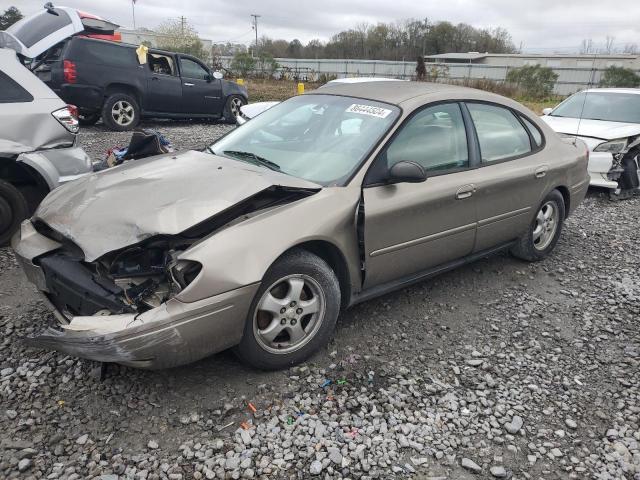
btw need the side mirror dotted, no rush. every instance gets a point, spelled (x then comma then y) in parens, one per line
(547, 111)
(406, 172)
(217, 75)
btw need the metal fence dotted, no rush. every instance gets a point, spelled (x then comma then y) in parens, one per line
(570, 79)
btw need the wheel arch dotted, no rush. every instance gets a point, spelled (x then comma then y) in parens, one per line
(336, 260)
(564, 191)
(23, 176)
(123, 88)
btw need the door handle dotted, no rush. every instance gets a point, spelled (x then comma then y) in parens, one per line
(155, 79)
(188, 84)
(541, 171)
(465, 191)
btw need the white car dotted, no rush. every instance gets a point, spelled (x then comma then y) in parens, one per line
(608, 121)
(247, 112)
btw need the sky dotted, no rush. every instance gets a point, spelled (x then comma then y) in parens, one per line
(539, 26)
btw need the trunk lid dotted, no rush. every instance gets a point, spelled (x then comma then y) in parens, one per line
(36, 34)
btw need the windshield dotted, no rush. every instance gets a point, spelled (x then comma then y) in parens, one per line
(609, 106)
(320, 138)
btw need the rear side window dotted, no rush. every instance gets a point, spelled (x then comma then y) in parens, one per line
(500, 134)
(41, 26)
(102, 53)
(535, 133)
(11, 92)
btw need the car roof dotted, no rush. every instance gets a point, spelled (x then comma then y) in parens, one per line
(613, 90)
(125, 45)
(399, 91)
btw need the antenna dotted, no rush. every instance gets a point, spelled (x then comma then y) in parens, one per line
(586, 92)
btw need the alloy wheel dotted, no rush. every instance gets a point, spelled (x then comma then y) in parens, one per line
(234, 106)
(123, 113)
(289, 314)
(546, 225)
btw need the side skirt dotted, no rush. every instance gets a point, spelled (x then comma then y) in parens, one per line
(378, 290)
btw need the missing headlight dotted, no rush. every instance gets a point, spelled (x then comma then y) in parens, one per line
(184, 272)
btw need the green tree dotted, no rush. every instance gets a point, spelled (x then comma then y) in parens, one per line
(179, 36)
(620, 77)
(243, 64)
(10, 16)
(266, 65)
(536, 81)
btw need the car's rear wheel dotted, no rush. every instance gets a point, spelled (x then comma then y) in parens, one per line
(544, 230)
(13, 210)
(88, 119)
(232, 108)
(121, 112)
(293, 313)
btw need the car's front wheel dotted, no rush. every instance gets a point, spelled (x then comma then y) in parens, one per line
(121, 112)
(232, 108)
(544, 231)
(293, 313)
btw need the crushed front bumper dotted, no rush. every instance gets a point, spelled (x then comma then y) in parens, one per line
(175, 333)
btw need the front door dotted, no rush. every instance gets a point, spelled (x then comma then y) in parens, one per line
(413, 227)
(201, 93)
(164, 89)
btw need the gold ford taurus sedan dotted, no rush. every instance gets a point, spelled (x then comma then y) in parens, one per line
(323, 201)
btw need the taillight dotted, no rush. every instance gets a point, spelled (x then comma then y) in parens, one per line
(68, 117)
(69, 70)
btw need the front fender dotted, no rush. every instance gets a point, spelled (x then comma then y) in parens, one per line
(232, 88)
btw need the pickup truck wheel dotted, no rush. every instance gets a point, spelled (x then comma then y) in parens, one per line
(232, 108)
(13, 210)
(293, 313)
(121, 112)
(543, 232)
(88, 119)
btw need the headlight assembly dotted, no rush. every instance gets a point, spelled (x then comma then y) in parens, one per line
(614, 146)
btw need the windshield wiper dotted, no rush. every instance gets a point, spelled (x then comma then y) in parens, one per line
(256, 158)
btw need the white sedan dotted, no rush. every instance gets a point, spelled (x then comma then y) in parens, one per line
(608, 121)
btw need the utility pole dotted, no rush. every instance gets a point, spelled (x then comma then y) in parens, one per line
(255, 27)
(182, 21)
(133, 11)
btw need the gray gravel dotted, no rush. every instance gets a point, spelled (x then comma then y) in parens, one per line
(426, 383)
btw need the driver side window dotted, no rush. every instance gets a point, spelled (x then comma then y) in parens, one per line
(434, 138)
(191, 69)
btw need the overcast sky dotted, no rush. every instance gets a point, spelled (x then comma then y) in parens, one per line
(540, 26)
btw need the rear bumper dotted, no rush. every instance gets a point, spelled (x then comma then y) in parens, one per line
(58, 166)
(175, 333)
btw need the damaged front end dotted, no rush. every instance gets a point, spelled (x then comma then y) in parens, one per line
(126, 305)
(625, 166)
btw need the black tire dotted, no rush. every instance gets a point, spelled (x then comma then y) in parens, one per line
(88, 119)
(297, 262)
(131, 108)
(13, 210)
(233, 102)
(526, 248)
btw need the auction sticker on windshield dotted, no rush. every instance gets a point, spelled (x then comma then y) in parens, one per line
(369, 110)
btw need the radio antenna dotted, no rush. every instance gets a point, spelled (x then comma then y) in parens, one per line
(584, 99)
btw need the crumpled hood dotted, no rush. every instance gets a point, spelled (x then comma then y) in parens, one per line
(592, 128)
(165, 194)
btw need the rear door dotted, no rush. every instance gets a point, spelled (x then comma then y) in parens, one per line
(201, 93)
(33, 35)
(512, 174)
(164, 87)
(413, 227)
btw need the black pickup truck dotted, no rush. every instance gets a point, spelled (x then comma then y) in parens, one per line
(107, 80)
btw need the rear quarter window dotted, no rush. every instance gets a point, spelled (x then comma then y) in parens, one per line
(11, 92)
(101, 53)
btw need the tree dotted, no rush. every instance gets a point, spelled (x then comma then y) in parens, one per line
(535, 80)
(179, 36)
(243, 64)
(266, 65)
(620, 77)
(10, 16)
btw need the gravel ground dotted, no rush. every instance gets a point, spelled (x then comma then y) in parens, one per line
(500, 369)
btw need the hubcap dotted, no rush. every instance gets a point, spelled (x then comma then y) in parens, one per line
(122, 113)
(546, 225)
(289, 314)
(236, 103)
